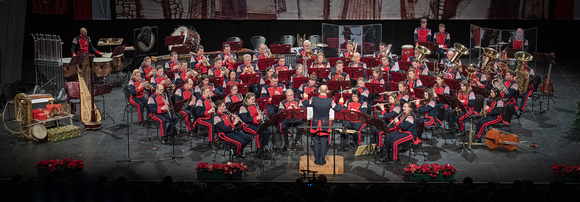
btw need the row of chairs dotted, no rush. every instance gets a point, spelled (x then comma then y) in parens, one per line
(286, 39)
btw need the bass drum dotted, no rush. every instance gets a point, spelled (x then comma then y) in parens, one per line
(406, 52)
(38, 132)
(191, 37)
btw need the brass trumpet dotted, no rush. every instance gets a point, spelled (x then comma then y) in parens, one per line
(147, 84)
(205, 63)
(194, 73)
(168, 81)
(231, 59)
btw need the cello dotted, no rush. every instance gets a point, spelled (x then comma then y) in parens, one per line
(495, 138)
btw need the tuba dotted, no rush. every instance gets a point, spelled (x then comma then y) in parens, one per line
(522, 77)
(470, 72)
(486, 67)
(422, 52)
(459, 51)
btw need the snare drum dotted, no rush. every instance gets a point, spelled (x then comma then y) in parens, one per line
(102, 67)
(68, 72)
(407, 51)
(38, 132)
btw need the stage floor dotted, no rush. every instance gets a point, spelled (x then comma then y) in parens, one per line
(558, 144)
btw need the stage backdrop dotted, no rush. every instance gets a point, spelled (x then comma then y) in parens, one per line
(340, 9)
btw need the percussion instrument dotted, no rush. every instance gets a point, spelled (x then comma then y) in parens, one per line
(38, 132)
(407, 51)
(69, 72)
(102, 66)
(190, 37)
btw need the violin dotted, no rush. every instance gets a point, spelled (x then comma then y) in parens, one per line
(495, 138)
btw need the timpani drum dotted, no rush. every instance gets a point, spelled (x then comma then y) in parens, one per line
(191, 37)
(68, 72)
(102, 66)
(407, 51)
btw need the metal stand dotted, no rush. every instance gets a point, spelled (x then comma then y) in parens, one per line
(128, 160)
(332, 128)
(173, 157)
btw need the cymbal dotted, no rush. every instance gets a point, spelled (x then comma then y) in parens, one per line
(502, 43)
(321, 45)
(494, 45)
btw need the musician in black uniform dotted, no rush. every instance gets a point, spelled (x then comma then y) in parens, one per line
(290, 103)
(83, 44)
(185, 92)
(268, 91)
(404, 130)
(355, 104)
(160, 112)
(321, 106)
(225, 125)
(512, 88)
(251, 114)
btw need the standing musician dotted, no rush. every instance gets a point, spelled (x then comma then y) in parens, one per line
(493, 107)
(290, 103)
(251, 114)
(160, 112)
(137, 98)
(320, 62)
(234, 96)
(518, 41)
(282, 66)
(228, 58)
(303, 52)
(339, 74)
(231, 80)
(355, 104)
(225, 128)
(205, 83)
(348, 52)
(413, 82)
(247, 66)
(198, 59)
(271, 89)
(262, 53)
(185, 92)
(159, 77)
(170, 66)
(309, 87)
(428, 107)
(321, 106)
(467, 98)
(218, 71)
(419, 68)
(442, 38)
(361, 88)
(147, 71)
(83, 44)
(422, 33)
(388, 114)
(377, 76)
(204, 108)
(451, 72)
(531, 89)
(404, 130)
(512, 88)
(383, 52)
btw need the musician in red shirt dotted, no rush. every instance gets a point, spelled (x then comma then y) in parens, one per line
(146, 69)
(518, 41)
(170, 66)
(82, 44)
(422, 34)
(442, 38)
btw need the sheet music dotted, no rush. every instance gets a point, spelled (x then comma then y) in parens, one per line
(40, 100)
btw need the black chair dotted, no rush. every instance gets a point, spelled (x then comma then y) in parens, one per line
(225, 146)
(234, 38)
(257, 40)
(128, 105)
(507, 115)
(441, 117)
(420, 125)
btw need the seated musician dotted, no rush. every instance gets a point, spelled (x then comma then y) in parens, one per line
(303, 52)
(146, 69)
(262, 53)
(321, 106)
(183, 74)
(205, 83)
(361, 88)
(225, 128)
(185, 92)
(467, 98)
(170, 66)
(413, 82)
(478, 79)
(218, 71)
(339, 74)
(320, 62)
(355, 104)
(404, 95)
(450, 69)
(198, 60)
(383, 52)
(299, 73)
(251, 114)
(493, 107)
(247, 66)
(404, 130)
(440, 87)
(415, 55)
(204, 110)
(160, 112)
(234, 96)
(160, 78)
(386, 65)
(281, 65)
(531, 89)
(348, 52)
(357, 63)
(228, 58)
(428, 107)
(136, 88)
(511, 85)
(377, 76)
(388, 114)
(232, 79)
(419, 68)
(271, 89)
(310, 87)
(290, 103)
(268, 76)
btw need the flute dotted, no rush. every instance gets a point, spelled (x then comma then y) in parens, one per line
(393, 121)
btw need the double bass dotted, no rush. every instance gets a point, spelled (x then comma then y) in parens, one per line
(90, 114)
(495, 138)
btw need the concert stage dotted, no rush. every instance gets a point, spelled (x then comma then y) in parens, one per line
(558, 144)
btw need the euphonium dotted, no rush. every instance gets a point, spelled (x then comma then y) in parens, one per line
(500, 85)
(470, 72)
(422, 52)
(522, 77)
(486, 67)
(460, 50)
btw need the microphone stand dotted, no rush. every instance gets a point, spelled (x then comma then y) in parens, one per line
(128, 160)
(173, 134)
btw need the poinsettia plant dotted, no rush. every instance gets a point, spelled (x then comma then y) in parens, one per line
(227, 168)
(432, 169)
(60, 165)
(566, 170)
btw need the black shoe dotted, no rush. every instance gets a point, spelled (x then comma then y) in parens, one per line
(477, 140)
(164, 140)
(239, 156)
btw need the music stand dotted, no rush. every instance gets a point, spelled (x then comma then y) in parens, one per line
(298, 81)
(481, 91)
(373, 62)
(376, 88)
(177, 106)
(243, 88)
(432, 46)
(345, 96)
(250, 78)
(276, 99)
(393, 86)
(320, 72)
(285, 75)
(262, 103)
(217, 81)
(128, 160)
(264, 63)
(427, 80)
(398, 76)
(419, 92)
(102, 90)
(370, 121)
(235, 107)
(354, 72)
(338, 85)
(453, 84)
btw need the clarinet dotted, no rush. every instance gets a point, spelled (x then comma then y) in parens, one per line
(234, 116)
(260, 113)
(169, 106)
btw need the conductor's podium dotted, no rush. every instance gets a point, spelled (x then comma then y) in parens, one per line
(327, 168)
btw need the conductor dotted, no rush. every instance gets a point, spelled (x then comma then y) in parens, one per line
(321, 106)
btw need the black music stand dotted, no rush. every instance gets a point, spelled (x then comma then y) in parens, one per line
(217, 81)
(176, 106)
(217, 97)
(481, 91)
(375, 89)
(129, 119)
(102, 90)
(345, 115)
(276, 99)
(235, 107)
(298, 81)
(371, 121)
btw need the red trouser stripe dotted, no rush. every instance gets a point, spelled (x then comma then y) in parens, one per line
(136, 105)
(160, 124)
(381, 138)
(186, 120)
(398, 142)
(249, 130)
(203, 121)
(238, 145)
(486, 125)
(469, 113)
(360, 131)
(526, 99)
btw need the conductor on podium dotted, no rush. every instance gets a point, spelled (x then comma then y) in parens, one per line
(321, 106)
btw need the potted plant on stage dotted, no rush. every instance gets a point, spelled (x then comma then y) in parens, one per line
(563, 173)
(64, 169)
(217, 171)
(430, 172)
